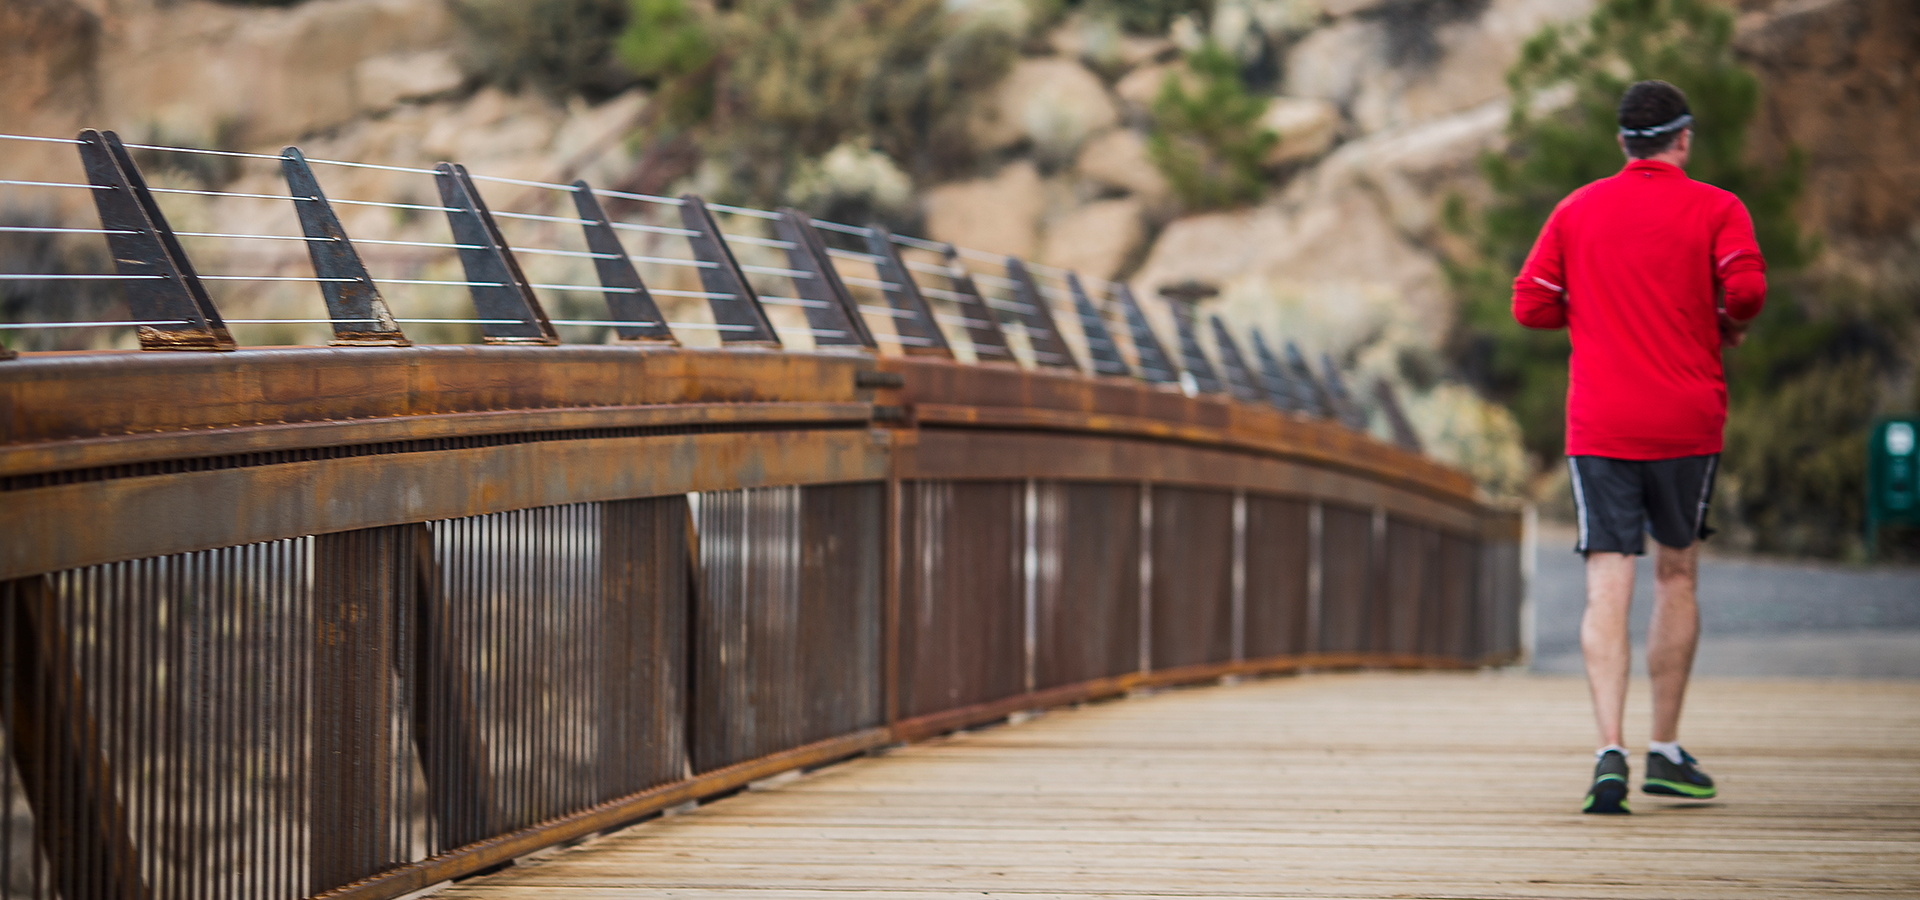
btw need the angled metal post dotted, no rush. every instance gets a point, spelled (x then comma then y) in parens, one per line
(1154, 365)
(501, 294)
(360, 317)
(1403, 433)
(736, 308)
(983, 326)
(1049, 349)
(162, 287)
(1100, 345)
(1192, 358)
(1240, 381)
(1303, 374)
(628, 301)
(1282, 391)
(831, 311)
(905, 297)
(1344, 406)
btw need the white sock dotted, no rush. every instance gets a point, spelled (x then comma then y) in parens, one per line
(1616, 748)
(1668, 749)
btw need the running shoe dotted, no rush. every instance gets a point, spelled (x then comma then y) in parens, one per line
(1609, 792)
(1682, 779)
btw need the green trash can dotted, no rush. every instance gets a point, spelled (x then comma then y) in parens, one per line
(1893, 466)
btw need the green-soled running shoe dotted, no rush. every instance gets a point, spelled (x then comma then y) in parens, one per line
(1682, 779)
(1608, 796)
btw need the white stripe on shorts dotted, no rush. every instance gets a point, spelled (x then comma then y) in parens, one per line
(1579, 504)
(1706, 484)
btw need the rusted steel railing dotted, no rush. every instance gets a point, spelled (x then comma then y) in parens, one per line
(351, 621)
(344, 622)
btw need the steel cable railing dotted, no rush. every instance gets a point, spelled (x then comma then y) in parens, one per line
(997, 307)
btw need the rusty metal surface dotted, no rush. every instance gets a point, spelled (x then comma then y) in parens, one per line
(1348, 577)
(842, 544)
(1086, 596)
(786, 624)
(71, 396)
(1413, 599)
(65, 780)
(1277, 565)
(995, 396)
(962, 626)
(196, 672)
(985, 454)
(1192, 592)
(414, 612)
(59, 526)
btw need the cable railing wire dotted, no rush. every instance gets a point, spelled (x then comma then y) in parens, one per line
(1052, 295)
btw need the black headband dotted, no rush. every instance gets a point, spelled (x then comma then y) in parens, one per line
(1658, 130)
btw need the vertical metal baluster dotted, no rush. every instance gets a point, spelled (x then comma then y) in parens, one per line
(256, 645)
(1379, 603)
(1029, 580)
(223, 692)
(177, 762)
(1239, 575)
(1316, 574)
(1146, 576)
(144, 603)
(521, 607)
(300, 737)
(277, 707)
(553, 576)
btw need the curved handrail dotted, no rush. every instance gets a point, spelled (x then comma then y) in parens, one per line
(878, 550)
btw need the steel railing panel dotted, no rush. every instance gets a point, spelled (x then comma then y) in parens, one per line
(161, 724)
(1087, 592)
(842, 531)
(1411, 586)
(962, 628)
(1192, 589)
(1278, 544)
(1348, 579)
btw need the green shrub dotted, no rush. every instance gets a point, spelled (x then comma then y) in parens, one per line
(1151, 17)
(1208, 142)
(558, 46)
(763, 86)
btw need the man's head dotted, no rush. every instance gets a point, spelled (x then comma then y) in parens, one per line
(1655, 122)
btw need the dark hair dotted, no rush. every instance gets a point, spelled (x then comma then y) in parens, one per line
(1651, 104)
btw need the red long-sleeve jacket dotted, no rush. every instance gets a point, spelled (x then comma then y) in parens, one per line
(1635, 266)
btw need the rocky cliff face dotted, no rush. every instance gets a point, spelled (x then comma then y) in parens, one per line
(1383, 106)
(1842, 85)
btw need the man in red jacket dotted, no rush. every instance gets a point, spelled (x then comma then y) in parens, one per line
(1652, 273)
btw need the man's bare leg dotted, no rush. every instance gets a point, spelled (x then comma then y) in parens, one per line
(1604, 640)
(1673, 636)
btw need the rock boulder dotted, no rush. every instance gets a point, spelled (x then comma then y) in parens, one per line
(1053, 104)
(998, 214)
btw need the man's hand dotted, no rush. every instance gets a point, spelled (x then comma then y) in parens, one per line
(1732, 331)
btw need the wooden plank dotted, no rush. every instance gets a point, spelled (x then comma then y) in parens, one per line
(1336, 785)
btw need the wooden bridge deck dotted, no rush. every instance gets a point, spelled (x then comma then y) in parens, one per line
(1350, 785)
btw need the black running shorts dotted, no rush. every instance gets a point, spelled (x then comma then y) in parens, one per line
(1618, 501)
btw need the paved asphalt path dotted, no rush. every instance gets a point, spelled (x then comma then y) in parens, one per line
(1759, 617)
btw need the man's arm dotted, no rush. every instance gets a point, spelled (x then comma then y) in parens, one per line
(1741, 273)
(1540, 292)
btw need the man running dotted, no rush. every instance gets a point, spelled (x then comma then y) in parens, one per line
(1652, 273)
